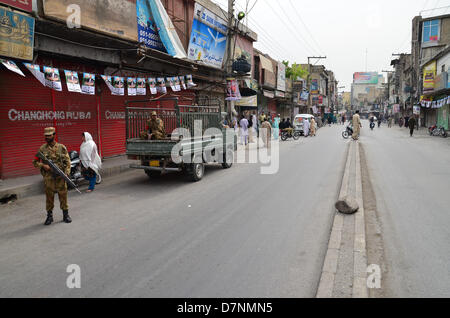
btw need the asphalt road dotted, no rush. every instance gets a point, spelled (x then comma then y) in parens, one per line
(411, 179)
(237, 233)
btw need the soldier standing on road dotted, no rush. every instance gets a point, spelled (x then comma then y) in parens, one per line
(53, 183)
(356, 121)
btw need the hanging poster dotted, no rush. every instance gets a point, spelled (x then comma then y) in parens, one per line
(108, 82)
(177, 83)
(161, 85)
(173, 84)
(183, 82)
(88, 84)
(131, 86)
(72, 81)
(233, 93)
(141, 86)
(119, 86)
(10, 65)
(152, 85)
(416, 110)
(36, 71)
(190, 82)
(208, 38)
(148, 32)
(52, 78)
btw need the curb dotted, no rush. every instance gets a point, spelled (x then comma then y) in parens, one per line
(37, 187)
(327, 284)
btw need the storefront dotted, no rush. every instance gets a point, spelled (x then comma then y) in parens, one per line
(27, 107)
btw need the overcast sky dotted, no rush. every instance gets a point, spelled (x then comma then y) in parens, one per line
(340, 30)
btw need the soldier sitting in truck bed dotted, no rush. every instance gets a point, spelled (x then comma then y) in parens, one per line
(156, 129)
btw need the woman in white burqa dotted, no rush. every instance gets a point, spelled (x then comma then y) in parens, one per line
(90, 160)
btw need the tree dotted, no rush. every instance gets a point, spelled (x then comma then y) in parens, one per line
(295, 71)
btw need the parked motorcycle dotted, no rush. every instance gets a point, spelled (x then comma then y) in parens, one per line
(347, 132)
(437, 131)
(285, 135)
(372, 125)
(76, 174)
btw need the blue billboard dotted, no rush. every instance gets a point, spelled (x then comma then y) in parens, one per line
(208, 40)
(147, 29)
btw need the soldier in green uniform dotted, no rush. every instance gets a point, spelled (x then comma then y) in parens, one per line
(53, 183)
(156, 128)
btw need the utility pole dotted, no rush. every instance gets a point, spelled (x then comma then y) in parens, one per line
(229, 66)
(309, 78)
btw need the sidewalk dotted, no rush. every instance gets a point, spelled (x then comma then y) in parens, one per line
(33, 185)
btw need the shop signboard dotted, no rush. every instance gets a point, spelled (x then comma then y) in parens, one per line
(16, 34)
(208, 38)
(147, 29)
(314, 87)
(26, 5)
(281, 77)
(247, 101)
(429, 76)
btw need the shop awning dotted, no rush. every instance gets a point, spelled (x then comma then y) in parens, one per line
(266, 63)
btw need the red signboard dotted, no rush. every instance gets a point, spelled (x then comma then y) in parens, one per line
(21, 4)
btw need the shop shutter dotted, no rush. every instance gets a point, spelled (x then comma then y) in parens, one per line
(21, 136)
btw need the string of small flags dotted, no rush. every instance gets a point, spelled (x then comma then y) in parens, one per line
(437, 103)
(50, 77)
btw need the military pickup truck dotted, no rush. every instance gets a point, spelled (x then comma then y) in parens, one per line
(195, 137)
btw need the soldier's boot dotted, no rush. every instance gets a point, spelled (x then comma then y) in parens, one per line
(66, 217)
(49, 219)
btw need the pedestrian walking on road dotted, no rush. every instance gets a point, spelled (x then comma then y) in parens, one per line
(91, 161)
(276, 127)
(54, 183)
(306, 127)
(390, 122)
(244, 130)
(412, 125)
(343, 119)
(356, 122)
(313, 127)
(266, 132)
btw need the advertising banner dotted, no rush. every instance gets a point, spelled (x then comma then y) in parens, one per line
(182, 82)
(365, 78)
(248, 101)
(88, 84)
(72, 81)
(152, 85)
(26, 5)
(119, 86)
(110, 17)
(131, 86)
(429, 76)
(281, 77)
(10, 65)
(141, 86)
(208, 38)
(16, 35)
(147, 29)
(314, 87)
(233, 92)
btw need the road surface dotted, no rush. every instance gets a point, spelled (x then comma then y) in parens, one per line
(236, 233)
(411, 178)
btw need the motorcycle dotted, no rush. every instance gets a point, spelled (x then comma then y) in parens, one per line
(437, 131)
(285, 135)
(372, 125)
(347, 132)
(76, 174)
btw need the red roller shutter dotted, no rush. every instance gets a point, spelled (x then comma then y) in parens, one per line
(272, 105)
(25, 106)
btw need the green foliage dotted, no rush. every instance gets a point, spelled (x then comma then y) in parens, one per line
(295, 71)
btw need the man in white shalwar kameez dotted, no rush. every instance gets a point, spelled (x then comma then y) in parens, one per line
(306, 126)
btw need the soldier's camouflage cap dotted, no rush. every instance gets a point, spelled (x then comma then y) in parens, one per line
(49, 131)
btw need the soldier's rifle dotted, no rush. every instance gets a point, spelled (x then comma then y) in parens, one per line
(56, 170)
